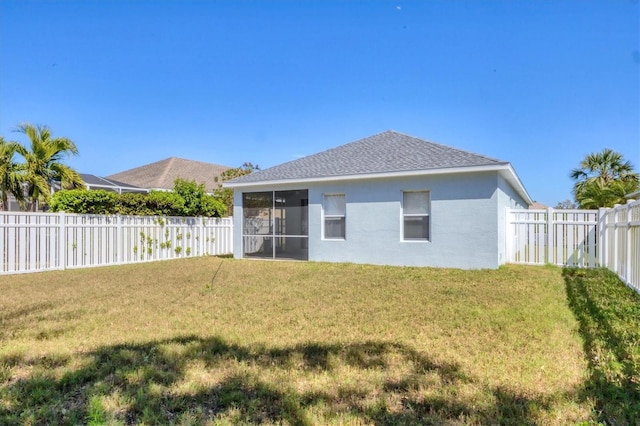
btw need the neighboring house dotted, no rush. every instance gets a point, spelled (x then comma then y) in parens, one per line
(388, 199)
(94, 182)
(12, 204)
(161, 175)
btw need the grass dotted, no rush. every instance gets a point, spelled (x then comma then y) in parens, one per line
(291, 343)
(609, 315)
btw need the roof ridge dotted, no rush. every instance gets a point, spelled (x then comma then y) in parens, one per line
(166, 169)
(446, 146)
(196, 161)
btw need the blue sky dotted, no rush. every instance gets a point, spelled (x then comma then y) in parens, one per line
(536, 83)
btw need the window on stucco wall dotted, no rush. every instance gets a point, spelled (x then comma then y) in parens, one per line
(335, 210)
(415, 216)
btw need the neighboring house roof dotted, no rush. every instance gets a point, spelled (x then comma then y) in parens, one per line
(97, 182)
(538, 206)
(633, 196)
(162, 174)
(386, 154)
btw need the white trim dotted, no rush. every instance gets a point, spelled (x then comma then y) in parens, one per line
(505, 169)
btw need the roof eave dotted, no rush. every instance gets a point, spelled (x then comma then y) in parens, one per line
(504, 168)
(510, 175)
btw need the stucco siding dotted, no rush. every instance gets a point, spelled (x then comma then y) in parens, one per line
(238, 223)
(507, 197)
(464, 231)
(463, 226)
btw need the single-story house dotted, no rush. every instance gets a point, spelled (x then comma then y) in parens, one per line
(388, 199)
(162, 174)
(94, 182)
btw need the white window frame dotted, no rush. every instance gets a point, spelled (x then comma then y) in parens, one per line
(404, 215)
(326, 216)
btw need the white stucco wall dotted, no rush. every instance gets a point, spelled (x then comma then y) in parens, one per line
(463, 226)
(467, 221)
(507, 198)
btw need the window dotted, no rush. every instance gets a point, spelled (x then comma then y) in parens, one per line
(415, 216)
(334, 216)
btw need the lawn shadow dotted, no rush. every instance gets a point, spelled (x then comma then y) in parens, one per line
(608, 313)
(20, 321)
(142, 380)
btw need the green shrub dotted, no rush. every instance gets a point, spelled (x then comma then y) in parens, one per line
(166, 203)
(84, 202)
(133, 204)
(212, 207)
(196, 201)
(190, 200)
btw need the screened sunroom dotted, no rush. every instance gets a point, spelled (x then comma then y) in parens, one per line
(275, 224)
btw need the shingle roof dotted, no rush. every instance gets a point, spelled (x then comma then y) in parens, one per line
(162, 174)
(386, 152)
(99, 182)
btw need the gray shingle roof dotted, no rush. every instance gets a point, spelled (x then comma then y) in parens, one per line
(386, 152)
(99, 182)
(162, 174)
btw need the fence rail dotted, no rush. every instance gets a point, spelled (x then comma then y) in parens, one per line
(582, 238)
(32, 242)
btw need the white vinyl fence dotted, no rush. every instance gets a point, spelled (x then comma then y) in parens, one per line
(582, 238)
(621, 242)
(32, 242)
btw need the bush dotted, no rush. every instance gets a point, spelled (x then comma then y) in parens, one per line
(196, 201)
(166, 203)
(190, 201)
(133, 204)
(84, 202)
(212, 207)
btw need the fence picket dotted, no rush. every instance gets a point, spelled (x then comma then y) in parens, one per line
(31, 242)
(582, 238)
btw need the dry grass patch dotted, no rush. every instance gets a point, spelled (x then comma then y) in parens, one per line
(289, 342)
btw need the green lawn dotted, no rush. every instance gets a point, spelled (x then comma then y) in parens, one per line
(292, 343)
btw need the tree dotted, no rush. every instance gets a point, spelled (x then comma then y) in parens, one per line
(11, 174)
(603, 179)
(196, 201)
(566, 204)
(43, 163)
(226, 194)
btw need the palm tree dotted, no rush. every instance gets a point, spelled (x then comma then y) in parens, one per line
(11, 174)
(603, 179)
(44, 163)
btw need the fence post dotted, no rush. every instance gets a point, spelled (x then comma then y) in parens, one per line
(602, 236)
(508, 235)
(627, 275)
(551, 254)
(118, 242)
(615, 238)
(62, 235)
(201, 238)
